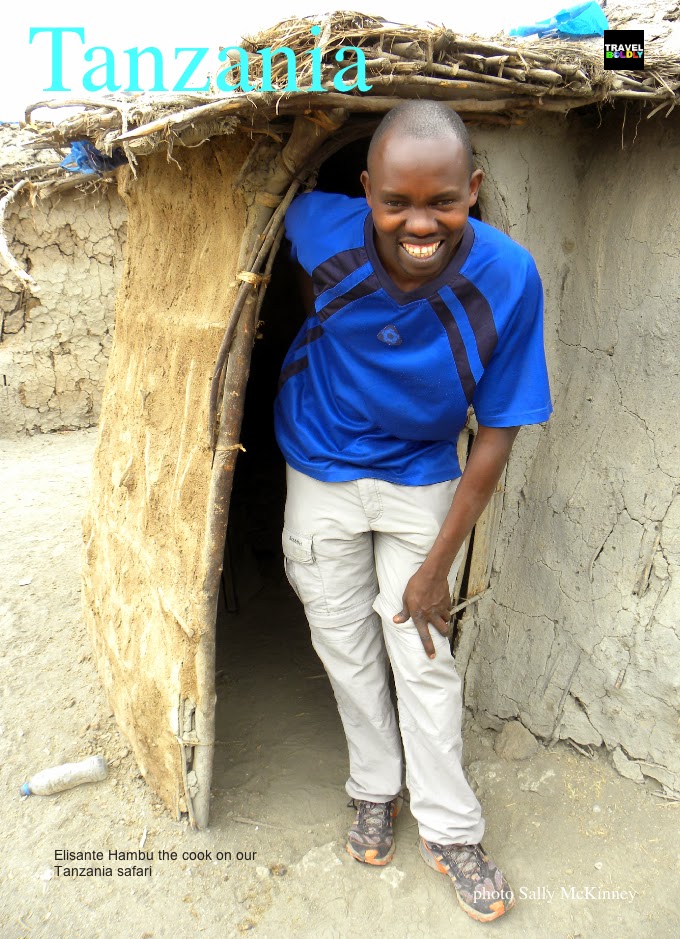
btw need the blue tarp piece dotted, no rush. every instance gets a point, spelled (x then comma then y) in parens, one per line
(86, 159)
(586, 19)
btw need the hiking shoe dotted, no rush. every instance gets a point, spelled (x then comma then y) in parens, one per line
(482, 890)
(370, 838)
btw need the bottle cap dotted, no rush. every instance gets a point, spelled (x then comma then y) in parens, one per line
(25, 790)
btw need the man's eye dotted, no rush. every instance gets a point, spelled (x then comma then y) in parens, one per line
(393, 204)
(445, 202)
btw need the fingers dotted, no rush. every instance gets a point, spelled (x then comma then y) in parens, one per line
(436, 616)
(423, 622)
(424, 632)
(442, 625)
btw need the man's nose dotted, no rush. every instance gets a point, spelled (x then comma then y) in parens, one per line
(420, 223)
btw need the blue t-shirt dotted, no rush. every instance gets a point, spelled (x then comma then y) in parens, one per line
(377, 382)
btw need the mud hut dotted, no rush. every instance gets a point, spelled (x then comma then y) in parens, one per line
(566, 597)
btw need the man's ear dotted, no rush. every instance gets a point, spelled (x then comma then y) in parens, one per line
(366, 183)
(475, 183)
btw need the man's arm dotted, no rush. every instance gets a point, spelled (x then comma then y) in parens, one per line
(427, 598)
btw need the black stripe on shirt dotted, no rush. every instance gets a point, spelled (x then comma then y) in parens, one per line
(479, 314)
(460, 356)
(315, 332)
(299, 365)
(364, 288)
(331, 272)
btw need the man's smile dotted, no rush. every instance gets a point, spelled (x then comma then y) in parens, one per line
(422, 252)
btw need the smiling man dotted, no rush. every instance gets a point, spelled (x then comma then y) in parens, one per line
(418, 313)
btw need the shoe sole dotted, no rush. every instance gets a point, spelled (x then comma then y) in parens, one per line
(500, 905)
(375, 862)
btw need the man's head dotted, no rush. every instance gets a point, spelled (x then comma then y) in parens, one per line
(420, 185)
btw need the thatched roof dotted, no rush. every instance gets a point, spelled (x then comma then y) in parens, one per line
(500, 80)
(19, 158)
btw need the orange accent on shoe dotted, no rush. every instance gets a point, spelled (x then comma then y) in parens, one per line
(372, 821)
(499, 909)
(430, 859)
(365, 860)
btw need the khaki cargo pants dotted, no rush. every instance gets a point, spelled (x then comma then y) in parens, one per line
(349, 551)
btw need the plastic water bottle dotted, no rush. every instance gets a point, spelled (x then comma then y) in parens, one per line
(66, 776)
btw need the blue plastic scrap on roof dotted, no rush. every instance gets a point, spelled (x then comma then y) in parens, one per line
(586, 19)
(86, 159)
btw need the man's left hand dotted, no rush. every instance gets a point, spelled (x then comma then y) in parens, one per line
(426, 598)
(428, 602)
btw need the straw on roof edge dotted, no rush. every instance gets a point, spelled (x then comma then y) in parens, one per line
(481, 78)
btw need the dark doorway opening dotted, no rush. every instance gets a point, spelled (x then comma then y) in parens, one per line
(280, 749)
(253, 556)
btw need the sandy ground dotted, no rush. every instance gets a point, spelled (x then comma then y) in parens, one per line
(566, 829)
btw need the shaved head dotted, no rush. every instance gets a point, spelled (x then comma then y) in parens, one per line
(421, 120)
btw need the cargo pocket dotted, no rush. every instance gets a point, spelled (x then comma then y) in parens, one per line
(302, 569)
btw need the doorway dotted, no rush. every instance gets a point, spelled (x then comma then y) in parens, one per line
(280, 752)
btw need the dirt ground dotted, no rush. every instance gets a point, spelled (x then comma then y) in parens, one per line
(589, 854)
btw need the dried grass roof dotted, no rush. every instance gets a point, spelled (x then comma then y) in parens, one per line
(498, 79)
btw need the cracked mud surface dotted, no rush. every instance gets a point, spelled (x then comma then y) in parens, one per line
(579, 638)
(556, 822)
(55, 343)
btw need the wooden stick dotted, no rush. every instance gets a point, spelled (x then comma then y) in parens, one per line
(566, 104)
(496, 49)
(95, 103)
(628, 82)
(185, 782)
(659, 78)
(377, 104)
(648, 95)
(245, 289)
(509, 83)
(468, 602)
(581, 750)
(5, 252)
(258, 255)
(219, 498)
(223, 106)
(541, 74)
(301, 100)
(659, 107)
(546, 75)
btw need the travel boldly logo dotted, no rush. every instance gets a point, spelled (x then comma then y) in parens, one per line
(624, 49)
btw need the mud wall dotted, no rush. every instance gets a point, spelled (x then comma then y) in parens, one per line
(578, 638)
(54, 346)
(145, 529)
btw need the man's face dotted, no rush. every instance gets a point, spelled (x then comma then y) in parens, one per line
(420, 192)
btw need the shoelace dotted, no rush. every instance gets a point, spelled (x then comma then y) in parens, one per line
(466, 858)
(373, 816)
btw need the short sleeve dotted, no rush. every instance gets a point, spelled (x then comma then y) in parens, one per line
(298, 221)
(514, 388)
(319, 225)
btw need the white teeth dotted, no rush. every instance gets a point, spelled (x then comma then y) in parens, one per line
(421, 251)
